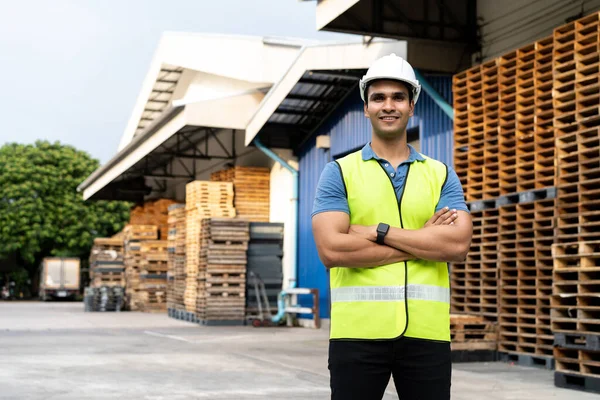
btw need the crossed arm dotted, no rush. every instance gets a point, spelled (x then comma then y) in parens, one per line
(445, 237)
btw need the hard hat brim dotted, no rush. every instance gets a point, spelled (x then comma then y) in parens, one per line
(414, 85)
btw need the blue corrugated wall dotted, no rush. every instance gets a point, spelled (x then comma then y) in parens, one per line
(436, 128)
(311, 272)
(349, 129)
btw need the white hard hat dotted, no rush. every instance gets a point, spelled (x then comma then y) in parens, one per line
(391, 67)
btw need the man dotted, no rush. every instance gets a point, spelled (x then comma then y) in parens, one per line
(386, 221)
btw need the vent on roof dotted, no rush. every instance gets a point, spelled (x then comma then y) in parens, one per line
(161, 95)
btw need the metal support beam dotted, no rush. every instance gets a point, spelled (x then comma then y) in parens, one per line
(339, 75)
(317, 82)
(307, 98)
(304, 113)
(402, 17)
(169, 177)
(191, 156)
(159, 80)
(214, 135)
(445, 10)
(435, 96)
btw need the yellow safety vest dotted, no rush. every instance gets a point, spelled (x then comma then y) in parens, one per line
(370, 303)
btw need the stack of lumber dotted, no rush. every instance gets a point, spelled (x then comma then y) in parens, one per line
(106, 263)
(176, 248)
(153, 213)
(222, 271)
(252, 191)
(471, 332)
(203, 200)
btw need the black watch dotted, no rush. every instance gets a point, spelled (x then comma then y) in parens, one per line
(382, 230)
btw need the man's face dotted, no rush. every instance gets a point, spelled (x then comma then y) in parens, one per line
(388, 107)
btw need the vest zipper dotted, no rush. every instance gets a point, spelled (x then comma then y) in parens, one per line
(402, 226)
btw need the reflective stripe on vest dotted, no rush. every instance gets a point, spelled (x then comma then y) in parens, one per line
(390, 293)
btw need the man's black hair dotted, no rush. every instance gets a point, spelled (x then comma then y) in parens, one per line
(408, 87)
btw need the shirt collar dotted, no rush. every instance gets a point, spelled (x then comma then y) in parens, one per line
(368, 153)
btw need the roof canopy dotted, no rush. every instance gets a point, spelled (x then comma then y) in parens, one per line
(441, 34)
(319, 80)
(196, 100)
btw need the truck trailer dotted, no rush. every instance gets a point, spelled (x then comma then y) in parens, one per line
(59, 278)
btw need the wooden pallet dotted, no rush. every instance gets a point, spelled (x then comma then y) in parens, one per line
(141, 232)
(586, 362)
(252, 191)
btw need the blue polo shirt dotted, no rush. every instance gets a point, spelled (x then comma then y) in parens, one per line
(331, 192)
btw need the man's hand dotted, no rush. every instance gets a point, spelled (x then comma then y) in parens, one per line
(443, 217)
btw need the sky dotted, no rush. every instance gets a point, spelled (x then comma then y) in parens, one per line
(71, 70)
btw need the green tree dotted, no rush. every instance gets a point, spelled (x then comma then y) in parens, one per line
(41, 212)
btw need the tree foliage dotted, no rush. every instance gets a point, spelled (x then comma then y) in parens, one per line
(41, 212)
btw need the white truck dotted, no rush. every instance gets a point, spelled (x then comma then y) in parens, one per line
(59, 278)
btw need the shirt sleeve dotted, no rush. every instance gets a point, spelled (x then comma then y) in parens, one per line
(452, 195)
(331, 191)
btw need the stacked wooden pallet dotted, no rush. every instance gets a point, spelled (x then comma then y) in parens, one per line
(525, 261)
(475, 281)
(575, 307)
(527, 150)
(471, 332)
(503, 135)
(203, 200)
(252, 191)
(151, 292)
(153, 213)
(176, 242)
(222, 270)
(507, 276)
(576, 314)
(106, 263)
(145, 268)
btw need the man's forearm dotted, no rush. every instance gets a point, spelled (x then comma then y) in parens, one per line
(434, 243)
(346, 250)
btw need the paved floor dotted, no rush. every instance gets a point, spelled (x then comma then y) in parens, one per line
(56, 351)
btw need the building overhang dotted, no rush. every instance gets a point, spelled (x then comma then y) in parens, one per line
(184, 140)
(195, 102)
(318, 81)
(441, 34)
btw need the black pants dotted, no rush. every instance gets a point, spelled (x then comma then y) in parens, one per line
(421, 369)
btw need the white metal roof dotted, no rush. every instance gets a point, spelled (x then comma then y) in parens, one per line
(179, 56)
(198, 84)
(314, 78)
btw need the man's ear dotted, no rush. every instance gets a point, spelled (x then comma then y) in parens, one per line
(412, 108)
(365, 110)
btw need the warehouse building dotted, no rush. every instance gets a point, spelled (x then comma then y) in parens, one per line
(304, 105)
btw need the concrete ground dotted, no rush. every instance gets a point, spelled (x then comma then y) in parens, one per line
(56, 351)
